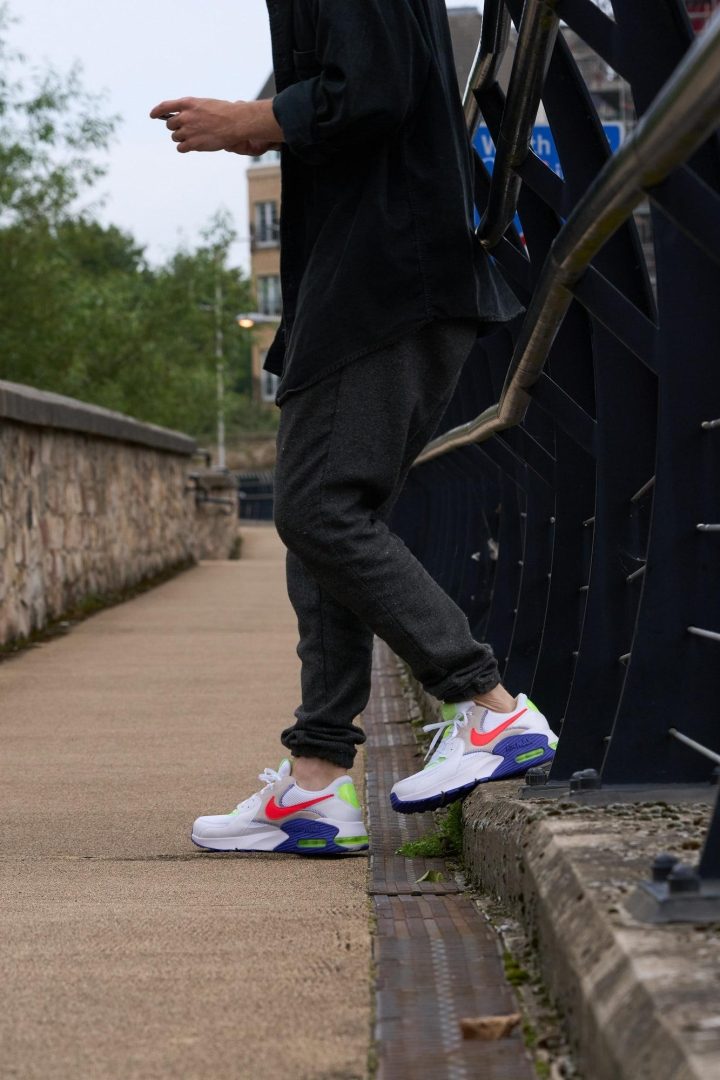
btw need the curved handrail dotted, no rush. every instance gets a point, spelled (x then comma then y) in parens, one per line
(536, 41)
(488, 58)
(682, 116)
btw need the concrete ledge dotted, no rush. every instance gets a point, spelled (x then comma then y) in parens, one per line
(641, 1002)
(40, 408)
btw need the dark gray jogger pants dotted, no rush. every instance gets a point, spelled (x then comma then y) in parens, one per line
(345, 446)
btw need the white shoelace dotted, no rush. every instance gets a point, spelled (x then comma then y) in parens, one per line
(460, 721)
(268, 778)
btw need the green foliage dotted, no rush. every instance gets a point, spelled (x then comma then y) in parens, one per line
(515, 974)
(81, 311)
(444, 842)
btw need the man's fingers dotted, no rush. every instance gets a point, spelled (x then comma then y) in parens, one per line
(166, 107)
(198, 143)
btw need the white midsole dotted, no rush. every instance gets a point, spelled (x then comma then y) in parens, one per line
(452, 775)
(471, 767)
(267, 839)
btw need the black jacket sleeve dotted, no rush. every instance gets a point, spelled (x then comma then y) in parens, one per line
(372, 65)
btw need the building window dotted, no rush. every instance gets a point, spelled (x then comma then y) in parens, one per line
(268, 293)
(267, 229)
(268, 382)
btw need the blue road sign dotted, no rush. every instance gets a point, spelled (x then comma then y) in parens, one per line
(543, 145)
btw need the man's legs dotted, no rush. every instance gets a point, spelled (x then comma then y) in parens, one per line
(344, 448)
(335, 649)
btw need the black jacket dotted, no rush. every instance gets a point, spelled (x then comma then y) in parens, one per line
(377, 209)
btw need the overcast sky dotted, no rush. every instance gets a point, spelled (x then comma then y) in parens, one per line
(140, 52)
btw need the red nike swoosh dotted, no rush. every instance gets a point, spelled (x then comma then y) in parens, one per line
(482, 738)
(276, 813)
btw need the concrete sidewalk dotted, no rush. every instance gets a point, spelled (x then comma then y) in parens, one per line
(125, 951)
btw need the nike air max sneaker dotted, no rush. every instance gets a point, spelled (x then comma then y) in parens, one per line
(284, 817)
(473, 745)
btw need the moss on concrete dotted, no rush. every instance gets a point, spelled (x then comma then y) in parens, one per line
(90, 604)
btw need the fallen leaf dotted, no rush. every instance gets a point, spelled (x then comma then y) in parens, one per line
(489, 1027)
(430, 875)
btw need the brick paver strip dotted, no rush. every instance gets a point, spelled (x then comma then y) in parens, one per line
(436, 958)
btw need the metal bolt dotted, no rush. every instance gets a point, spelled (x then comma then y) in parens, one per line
(552, 520)
(536, 777)
(585, 780)
(662, 865)
(683, 879)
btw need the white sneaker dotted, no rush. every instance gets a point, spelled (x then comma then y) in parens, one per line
(473, 745)
(285, 817)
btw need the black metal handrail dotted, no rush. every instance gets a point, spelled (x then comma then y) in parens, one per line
(684, 114)
(488, 58)
(536, 41)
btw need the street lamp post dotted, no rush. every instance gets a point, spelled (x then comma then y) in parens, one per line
(220, 372)
(247, 320)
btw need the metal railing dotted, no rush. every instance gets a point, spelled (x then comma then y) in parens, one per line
(684, 114)
(255, 495)
(536, 40)
(581, 541)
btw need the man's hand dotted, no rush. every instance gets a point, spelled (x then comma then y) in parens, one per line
(253, 148)
(211, 124)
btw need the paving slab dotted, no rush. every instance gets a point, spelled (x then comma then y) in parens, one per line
(125, 951)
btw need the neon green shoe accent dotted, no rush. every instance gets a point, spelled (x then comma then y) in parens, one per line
(553, 745)
(312, 843)
(348, 794)
(449, 711)
(350, 841)
(529, 756)
(532, 705)
(434, 762)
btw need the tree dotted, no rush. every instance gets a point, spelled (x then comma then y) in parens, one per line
(81, 311)
(50, 131)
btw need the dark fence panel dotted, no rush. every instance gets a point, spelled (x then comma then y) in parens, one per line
(255, 496)
(584, 544)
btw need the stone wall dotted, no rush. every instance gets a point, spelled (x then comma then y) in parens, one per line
(253, 451)
(217, 534)
(91, 502)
